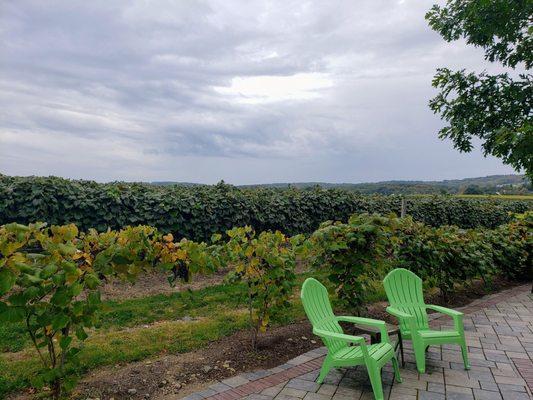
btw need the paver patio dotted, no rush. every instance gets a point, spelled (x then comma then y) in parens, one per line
(499, 331)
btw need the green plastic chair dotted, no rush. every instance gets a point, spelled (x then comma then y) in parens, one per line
(404, 291)
(346, 350)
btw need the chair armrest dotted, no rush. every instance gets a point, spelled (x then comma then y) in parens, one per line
(403, 315)
(361, 320)
(367, 321)
(444, 310)
(456, 315)
(344, 337)
(397, 313)
(339, 336)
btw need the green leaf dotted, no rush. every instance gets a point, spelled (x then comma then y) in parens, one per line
(69, 383)
(65, 341)
(11, 314)
(48, 271)
(60, 321)
(80, 333)
(7, 280)
(61, 297)
(76, 288)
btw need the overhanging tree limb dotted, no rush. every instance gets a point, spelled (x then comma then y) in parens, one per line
(493, 108)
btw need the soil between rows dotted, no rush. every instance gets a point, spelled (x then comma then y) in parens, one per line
(175, 376)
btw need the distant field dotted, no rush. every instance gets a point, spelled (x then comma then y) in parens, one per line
(516, 197)
(497, 197)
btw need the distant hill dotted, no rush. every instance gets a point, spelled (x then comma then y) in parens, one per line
(168, 183)
(503, 184)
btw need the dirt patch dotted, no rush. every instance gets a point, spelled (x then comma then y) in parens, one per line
(153, 283)
(178, 375)
(156, 282)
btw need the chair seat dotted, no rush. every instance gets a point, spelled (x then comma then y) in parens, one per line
(376, 351)
(433, 334)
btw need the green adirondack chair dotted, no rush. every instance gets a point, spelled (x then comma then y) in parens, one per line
(404, 291)
(346, 350)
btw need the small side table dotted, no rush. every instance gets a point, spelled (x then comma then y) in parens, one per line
(375, 335)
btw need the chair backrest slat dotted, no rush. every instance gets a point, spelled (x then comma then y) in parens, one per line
(318, 309)
(404, 291)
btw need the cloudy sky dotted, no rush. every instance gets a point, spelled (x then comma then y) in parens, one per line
(245, 91)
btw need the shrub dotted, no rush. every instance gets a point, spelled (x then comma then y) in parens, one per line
(50, 278)
(200, 211)
(442, 256)
(354, 253)
(265, 263)
(360, 252)
(512, 247)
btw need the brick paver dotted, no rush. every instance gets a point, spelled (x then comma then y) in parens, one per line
(499, 332)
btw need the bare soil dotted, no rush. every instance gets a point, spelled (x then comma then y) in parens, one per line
(173, 376)
(153, 283)
(156, 282)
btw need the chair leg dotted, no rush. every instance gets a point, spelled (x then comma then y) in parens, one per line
(464, 351)
(396, 369)
(326, 366)
(401, 348)
(374, 373)
(420, 357)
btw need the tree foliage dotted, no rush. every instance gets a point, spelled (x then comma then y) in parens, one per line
(493, 108)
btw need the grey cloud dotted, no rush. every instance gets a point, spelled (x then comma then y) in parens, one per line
(142, 79)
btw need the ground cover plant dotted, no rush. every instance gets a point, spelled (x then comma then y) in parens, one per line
(261, 290)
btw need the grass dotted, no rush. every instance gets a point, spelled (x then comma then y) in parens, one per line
(129, 313)
(135, 329)
(108, 348)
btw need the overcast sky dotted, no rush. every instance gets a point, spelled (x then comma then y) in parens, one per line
(245, 91)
